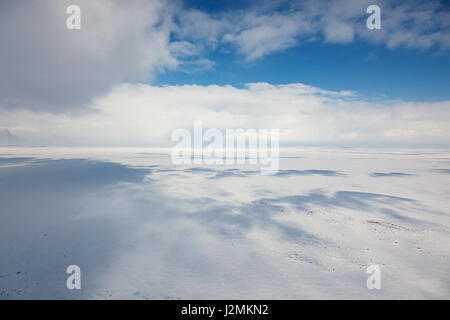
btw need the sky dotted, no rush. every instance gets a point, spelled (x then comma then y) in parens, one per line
(138, 70)
(354, 63)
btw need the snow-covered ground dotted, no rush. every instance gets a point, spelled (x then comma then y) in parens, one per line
(141, 228)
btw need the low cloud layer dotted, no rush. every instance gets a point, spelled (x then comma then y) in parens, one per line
(144, 115)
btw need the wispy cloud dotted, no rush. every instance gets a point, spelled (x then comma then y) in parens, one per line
(261, 31)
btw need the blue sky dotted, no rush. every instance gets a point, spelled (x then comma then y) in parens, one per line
(371, 69)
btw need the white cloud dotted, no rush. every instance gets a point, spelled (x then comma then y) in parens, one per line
(45, 66)
(6, 138)
(260, 31)
(339, 32)
(268, 33)
(144, 115)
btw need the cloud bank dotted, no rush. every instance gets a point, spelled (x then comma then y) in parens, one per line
(145, 115)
